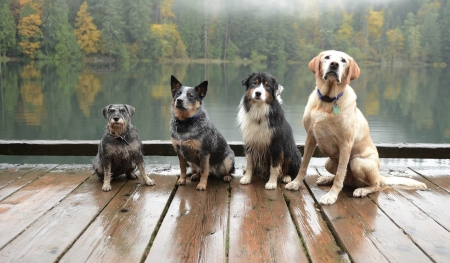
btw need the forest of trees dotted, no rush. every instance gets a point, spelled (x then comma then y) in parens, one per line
(272, 31)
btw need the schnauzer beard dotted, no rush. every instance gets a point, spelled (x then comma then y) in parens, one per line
(117, 128)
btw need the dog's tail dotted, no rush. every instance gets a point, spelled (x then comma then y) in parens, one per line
(394, 180)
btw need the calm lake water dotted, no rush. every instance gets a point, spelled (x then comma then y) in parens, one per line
(50, 102)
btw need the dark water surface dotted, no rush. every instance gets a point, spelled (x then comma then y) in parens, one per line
(49, 102)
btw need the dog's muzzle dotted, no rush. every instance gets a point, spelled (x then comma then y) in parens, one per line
(179, 104)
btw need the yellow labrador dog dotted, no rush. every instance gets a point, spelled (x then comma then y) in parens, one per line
(334, 123)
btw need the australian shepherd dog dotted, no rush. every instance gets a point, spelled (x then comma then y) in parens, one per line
(270, 149)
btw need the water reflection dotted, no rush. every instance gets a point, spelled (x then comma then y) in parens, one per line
(47, 101)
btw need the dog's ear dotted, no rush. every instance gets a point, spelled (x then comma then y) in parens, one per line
(278, 90)
(353, 70)
(105, 110)
(130, 109)
(246, 80)
(174, 84)
(314, 65)
(202, 88)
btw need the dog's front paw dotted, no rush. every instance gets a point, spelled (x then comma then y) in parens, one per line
(328, 199)
(181, 181)
(325, 180)
(106, 187)
(286, 179)
(149, 181)
(360, 192)
(195, 177)
(245, 180)
(271, 185)
(227, 178)
(201, 186)
(293, 186)
(421, 186)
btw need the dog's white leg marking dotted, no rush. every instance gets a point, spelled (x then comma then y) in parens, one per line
(273, 179)
(363, 191)
(325, 180)
(247, 178)
(310, 146)
(107, 177)
(286, 179)
(344, 156)
(147, 180)
(182, 179)
(204, 171)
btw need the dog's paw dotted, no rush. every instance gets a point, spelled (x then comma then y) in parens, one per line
(293, 186)
(328, 199)
(195, 177)
(201, 186)
(132, 176)
(325, 180)
(149, 181)
(421, 186)
(181, 181)
(360, 192)
(106, 187)
(271, 185)
(286, 179)
(227, 178)
(245, 180)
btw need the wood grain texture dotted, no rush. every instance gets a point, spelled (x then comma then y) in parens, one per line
(431, 201)
(10, 175)
(18, 211)
(319, 241)
(432, 238)
(195, 226)
(23, 177)
(437, 175)
(123, 229)
(48, 238)
(366, 232)
(261, 228)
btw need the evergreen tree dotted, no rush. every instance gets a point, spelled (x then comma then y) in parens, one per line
(113, 25)
(138, 24)
(7, 30)
(445, 31)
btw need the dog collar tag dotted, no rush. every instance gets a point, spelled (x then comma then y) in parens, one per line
(336, 109)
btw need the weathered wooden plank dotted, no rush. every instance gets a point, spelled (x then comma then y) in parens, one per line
(164, 148)
(195, 226)
(48, 238)
(364, 230)
(261, 228)
(4, 167)
(23, 177)
(21, 209)
(15, 173)
(431, 201)
(438, 175)
(319, 241)
(432, 238)
(123, 229)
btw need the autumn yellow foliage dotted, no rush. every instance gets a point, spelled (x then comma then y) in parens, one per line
(86, 31)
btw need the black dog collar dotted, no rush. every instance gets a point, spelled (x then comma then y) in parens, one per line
(328, 99)
(191, 119)
(121, 137)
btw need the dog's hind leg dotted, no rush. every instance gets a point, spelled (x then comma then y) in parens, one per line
(183, 164)
(107, 177)
(365, 171)
(204, 173)
(331, 166)
(247, 178)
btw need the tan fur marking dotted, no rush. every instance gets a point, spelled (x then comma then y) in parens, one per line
(193, 144)
(185, 114)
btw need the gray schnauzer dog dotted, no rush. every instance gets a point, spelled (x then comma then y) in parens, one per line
(120, 149)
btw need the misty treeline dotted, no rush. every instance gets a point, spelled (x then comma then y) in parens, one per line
(266, 31)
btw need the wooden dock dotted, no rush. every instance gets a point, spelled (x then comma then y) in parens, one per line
(59, 213)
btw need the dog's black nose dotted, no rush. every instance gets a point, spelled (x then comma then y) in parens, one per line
(258, 94)
(334, 65)
(116, 119)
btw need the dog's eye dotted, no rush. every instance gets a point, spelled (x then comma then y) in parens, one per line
(327, 57)
(111, 110)
(190, 95)
(122, 110)
(343, 60)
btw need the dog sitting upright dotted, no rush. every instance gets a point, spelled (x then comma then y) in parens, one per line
(195, 138)
(120, 149)
(335, 124)
(270, 149)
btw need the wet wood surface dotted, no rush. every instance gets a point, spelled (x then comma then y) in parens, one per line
(58, 213)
